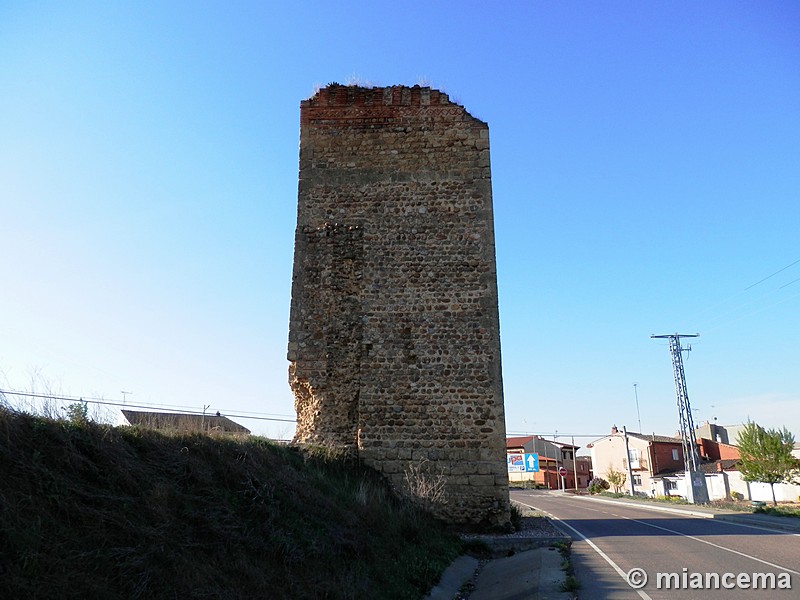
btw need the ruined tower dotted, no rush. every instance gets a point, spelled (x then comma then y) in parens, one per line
(394, 338)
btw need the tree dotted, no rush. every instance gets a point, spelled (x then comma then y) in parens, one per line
(616, 478)
(78, 413)
(766, 456)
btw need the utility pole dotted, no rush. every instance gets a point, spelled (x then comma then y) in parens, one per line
(203, 420)
(628, 461)
(696, 490)
(574, 464)
(546, 466)
(638, 417)
(559, 478)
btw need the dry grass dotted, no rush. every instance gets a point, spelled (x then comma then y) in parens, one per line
(425, 484)
(95, 511)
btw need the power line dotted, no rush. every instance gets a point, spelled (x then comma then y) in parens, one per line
(711, 317)
(749, 313)
(550, 433)
(773, 275)
(172, 407)
(790, 283)
(186, 410)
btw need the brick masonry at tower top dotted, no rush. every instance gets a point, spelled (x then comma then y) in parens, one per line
(394, 343)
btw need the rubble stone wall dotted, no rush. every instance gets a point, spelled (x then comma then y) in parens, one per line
(394, 339)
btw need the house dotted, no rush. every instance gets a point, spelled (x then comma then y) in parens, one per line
(584, 471)
(709, 450)
(721, 477)
(552, 455)
(649, 456)
(658, 469)
(726, 434)
(724, 481)
(185, 422)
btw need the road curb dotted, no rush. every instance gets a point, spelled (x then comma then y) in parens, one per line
(670, 509)
(500, 546)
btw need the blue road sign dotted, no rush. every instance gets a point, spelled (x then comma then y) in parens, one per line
(531, 463)
(522, 463)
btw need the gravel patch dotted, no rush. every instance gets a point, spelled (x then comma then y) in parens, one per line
(535, 530)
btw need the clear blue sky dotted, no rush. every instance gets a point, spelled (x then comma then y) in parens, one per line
(646, 173)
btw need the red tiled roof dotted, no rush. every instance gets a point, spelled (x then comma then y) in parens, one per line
(518, 442)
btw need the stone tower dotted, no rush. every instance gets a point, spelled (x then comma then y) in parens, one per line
(394, 338)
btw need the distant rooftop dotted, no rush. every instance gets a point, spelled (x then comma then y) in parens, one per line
(654, 438)
(647, 437)
(520, 440)
(713, 466)
(184, 422)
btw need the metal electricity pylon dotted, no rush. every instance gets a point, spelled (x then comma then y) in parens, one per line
(695, 478)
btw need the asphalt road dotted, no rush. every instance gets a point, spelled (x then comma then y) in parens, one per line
(611, 539)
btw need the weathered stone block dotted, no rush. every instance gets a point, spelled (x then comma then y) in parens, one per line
(481, 481)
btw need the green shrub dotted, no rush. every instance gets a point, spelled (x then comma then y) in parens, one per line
(571, 584)
(598, 485)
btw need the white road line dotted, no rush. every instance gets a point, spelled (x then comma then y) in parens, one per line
(623, 574)
(759, 527)
(691, 537)
(595, 510)
(689, 515)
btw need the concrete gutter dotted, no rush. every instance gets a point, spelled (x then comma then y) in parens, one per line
(532, 574)
(524, 566)
(458, 575)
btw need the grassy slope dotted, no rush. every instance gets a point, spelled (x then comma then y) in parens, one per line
(102, 512)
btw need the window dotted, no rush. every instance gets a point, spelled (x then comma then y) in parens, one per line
(675, 454)
(670, 485)
(637, 480)
(633, 453)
